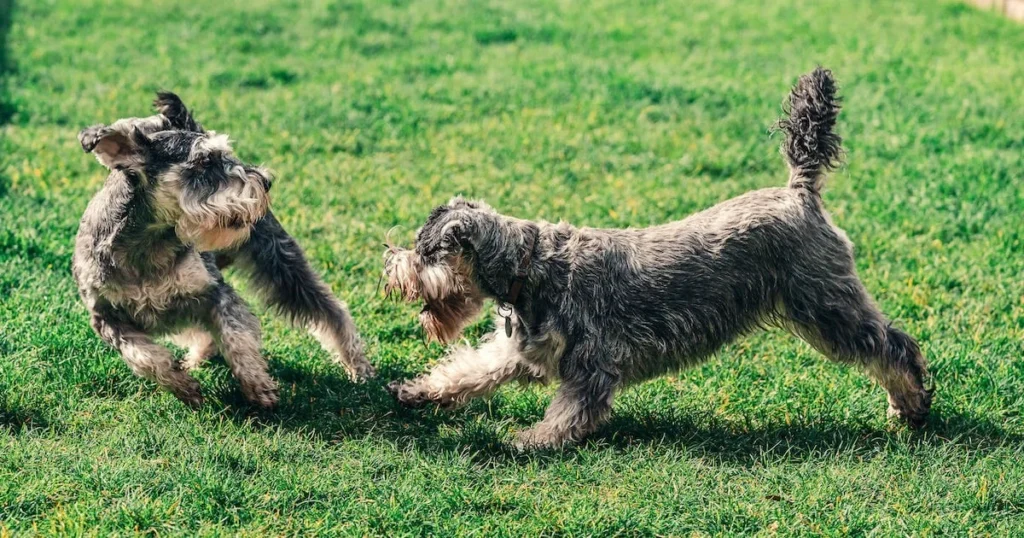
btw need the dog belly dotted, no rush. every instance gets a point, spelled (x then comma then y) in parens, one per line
(175, 316)
(647, 366)
(667, 342)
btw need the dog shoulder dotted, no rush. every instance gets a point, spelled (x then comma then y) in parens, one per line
(102, 222)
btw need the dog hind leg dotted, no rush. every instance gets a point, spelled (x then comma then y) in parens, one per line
(838, 317)
(200, 346)
(149, 359)
(237, 332)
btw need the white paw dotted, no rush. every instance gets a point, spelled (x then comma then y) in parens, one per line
(192, 361)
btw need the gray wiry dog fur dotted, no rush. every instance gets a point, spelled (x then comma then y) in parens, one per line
(145, 259)
(600, 309)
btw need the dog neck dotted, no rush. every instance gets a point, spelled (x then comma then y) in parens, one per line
(141, 245)
(504, 263)
(523, 271)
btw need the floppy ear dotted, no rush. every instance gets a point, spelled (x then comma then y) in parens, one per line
(457, 233)
(113, 148)
(170, 105)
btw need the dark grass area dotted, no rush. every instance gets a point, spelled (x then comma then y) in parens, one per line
(6, 64)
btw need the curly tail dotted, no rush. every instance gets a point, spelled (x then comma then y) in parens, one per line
(812, 147)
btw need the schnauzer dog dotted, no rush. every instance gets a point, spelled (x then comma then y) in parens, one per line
(600, 309)
(177, 206)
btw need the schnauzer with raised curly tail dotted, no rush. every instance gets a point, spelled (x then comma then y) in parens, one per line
(177, 206)
(600, 309)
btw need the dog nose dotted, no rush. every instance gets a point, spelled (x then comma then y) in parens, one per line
(266, 184)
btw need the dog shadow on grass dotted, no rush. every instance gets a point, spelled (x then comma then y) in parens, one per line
(334, 408)
(328, 403)
(6, 15)
(322, 401)
(730, 441)
(16, 417)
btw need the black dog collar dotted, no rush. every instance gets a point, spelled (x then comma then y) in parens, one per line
(506, 308)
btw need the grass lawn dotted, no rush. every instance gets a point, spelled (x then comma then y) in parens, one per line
(603, 113)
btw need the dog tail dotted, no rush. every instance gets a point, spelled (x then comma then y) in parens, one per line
(812, 148)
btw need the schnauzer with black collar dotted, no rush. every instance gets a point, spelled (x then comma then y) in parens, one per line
(600, 309)
(177, 204)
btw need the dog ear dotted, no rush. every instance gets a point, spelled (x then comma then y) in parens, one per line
(457, 234)
(112, 147)
(459, 202)
(264, 175)
(171, 107)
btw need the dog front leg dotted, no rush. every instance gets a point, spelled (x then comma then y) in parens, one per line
(467, 373)
(582, 403)
(237, 332)
(148, 359)
(282, 274)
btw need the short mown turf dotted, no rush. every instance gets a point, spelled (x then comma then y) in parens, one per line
(602, 113)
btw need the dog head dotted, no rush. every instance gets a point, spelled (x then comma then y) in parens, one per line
(191, 178)
(464, 252)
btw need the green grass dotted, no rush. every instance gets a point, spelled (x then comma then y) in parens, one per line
(603, 113)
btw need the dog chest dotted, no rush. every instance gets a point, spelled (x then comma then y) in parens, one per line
(187, 279)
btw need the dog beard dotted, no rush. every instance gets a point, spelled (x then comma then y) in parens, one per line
(450, 298)
(220, 239)
(223, 220)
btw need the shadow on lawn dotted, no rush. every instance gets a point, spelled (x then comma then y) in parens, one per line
(16, 416)
(731, 441)
(16, 419)
(336, 409)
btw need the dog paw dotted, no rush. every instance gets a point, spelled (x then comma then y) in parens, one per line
(91, 136)
(262, 393)
(188, 391)
(914, 419)
(912, 410)
(192, 361)
(538, 439)
(360, 371)
(408, 394)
